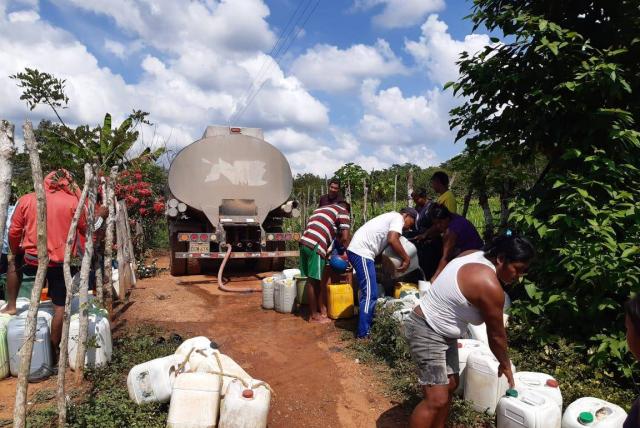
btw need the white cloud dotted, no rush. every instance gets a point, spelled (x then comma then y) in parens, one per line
(400, 13)
(438, 52)
(330, 69)
(194, 81)
(23, 16)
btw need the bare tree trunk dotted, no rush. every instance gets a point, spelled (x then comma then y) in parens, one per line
(395, 193)
(68, 281)
(409, 187)
(505, 194)
(7, 150)
(365, 190)
(467, 201)
(348, 198)
(108, 240)
(488, 217)
(20, 410)
(85, 267)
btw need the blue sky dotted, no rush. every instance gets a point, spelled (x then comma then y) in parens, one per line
(362, 82)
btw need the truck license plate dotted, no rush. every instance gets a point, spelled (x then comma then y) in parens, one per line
(198, 247)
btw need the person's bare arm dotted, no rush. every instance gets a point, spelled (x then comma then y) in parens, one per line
(482, 289)
(448, 245)
(345, 238)
(394, 241)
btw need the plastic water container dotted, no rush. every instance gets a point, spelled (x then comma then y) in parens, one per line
(4, 351)
(411, 251)
(267, 292)
(423, 287)
(153, 381)
(198, 342)
(218, 363)
(541, 383)
(593, 412)
(340, 301)
(99, 348)
(525, 408)
(284, 295)
(45, 310)
(194, 401)
(41, 356)
(291, 273)
(401, 287)
(75, 303)
(466, 347)
(482, 386)
(244, 407)
(301, 289)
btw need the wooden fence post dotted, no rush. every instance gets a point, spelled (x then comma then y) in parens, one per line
(7, 150)
(85, 268)
(68, 281)
(108, 239)
(409, 187)
(20, 409)
(364, 200)
(395, 193)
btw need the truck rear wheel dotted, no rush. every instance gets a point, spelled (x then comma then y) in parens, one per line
(177, 267)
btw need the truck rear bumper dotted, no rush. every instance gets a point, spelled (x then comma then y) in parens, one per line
(237, 255)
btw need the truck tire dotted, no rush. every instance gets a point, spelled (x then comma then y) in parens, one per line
(177, 267)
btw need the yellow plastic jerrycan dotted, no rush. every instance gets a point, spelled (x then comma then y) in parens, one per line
(340, 297)
(404, 286)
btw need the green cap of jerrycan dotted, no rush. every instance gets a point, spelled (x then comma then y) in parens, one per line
(585, 418)
(512, 393)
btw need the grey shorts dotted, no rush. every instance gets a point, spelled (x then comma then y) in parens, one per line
(435, 356)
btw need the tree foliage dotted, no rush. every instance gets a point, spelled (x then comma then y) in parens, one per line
(563, 85)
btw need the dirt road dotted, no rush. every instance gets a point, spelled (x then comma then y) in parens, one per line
(315, 384)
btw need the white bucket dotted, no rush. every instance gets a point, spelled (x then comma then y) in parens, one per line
(482, 386)
(244, 407)
(291, 273)
(194, 401)
(541, 383)
(153, 381)
(525, 408)
(466, 347)
(590, 411)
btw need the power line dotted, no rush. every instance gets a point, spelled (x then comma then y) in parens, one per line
(279, 54)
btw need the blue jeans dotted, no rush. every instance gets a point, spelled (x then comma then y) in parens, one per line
(366, 274)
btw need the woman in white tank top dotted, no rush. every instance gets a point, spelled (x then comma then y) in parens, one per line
(468, 290)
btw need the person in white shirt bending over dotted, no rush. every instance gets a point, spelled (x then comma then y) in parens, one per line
(468, 290)
(367, 243)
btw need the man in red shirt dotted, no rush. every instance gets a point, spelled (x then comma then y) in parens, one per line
(62, 195)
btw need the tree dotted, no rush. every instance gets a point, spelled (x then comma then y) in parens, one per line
(563, 84)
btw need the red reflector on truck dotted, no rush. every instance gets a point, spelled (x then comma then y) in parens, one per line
(204, 237)
(194, 237)
(235, 130)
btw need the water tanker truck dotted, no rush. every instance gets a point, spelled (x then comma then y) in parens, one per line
(229, 193)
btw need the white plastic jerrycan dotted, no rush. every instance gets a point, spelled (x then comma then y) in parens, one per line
(198, 342)
(220, 364)
(268, 285)
(245, 406)
(541, 383)
(482, 386)
(4, 346)
(466, 347)
(153, 381)
(99, 347)
(593, 412)
(525, 408)
(194, 401)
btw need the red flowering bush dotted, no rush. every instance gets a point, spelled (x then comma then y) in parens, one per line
(142, 201)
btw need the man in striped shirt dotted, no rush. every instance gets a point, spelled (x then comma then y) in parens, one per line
(325, 224)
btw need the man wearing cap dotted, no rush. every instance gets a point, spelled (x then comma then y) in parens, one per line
(367, 243)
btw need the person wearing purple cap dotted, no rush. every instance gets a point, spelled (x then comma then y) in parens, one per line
(367, 243)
